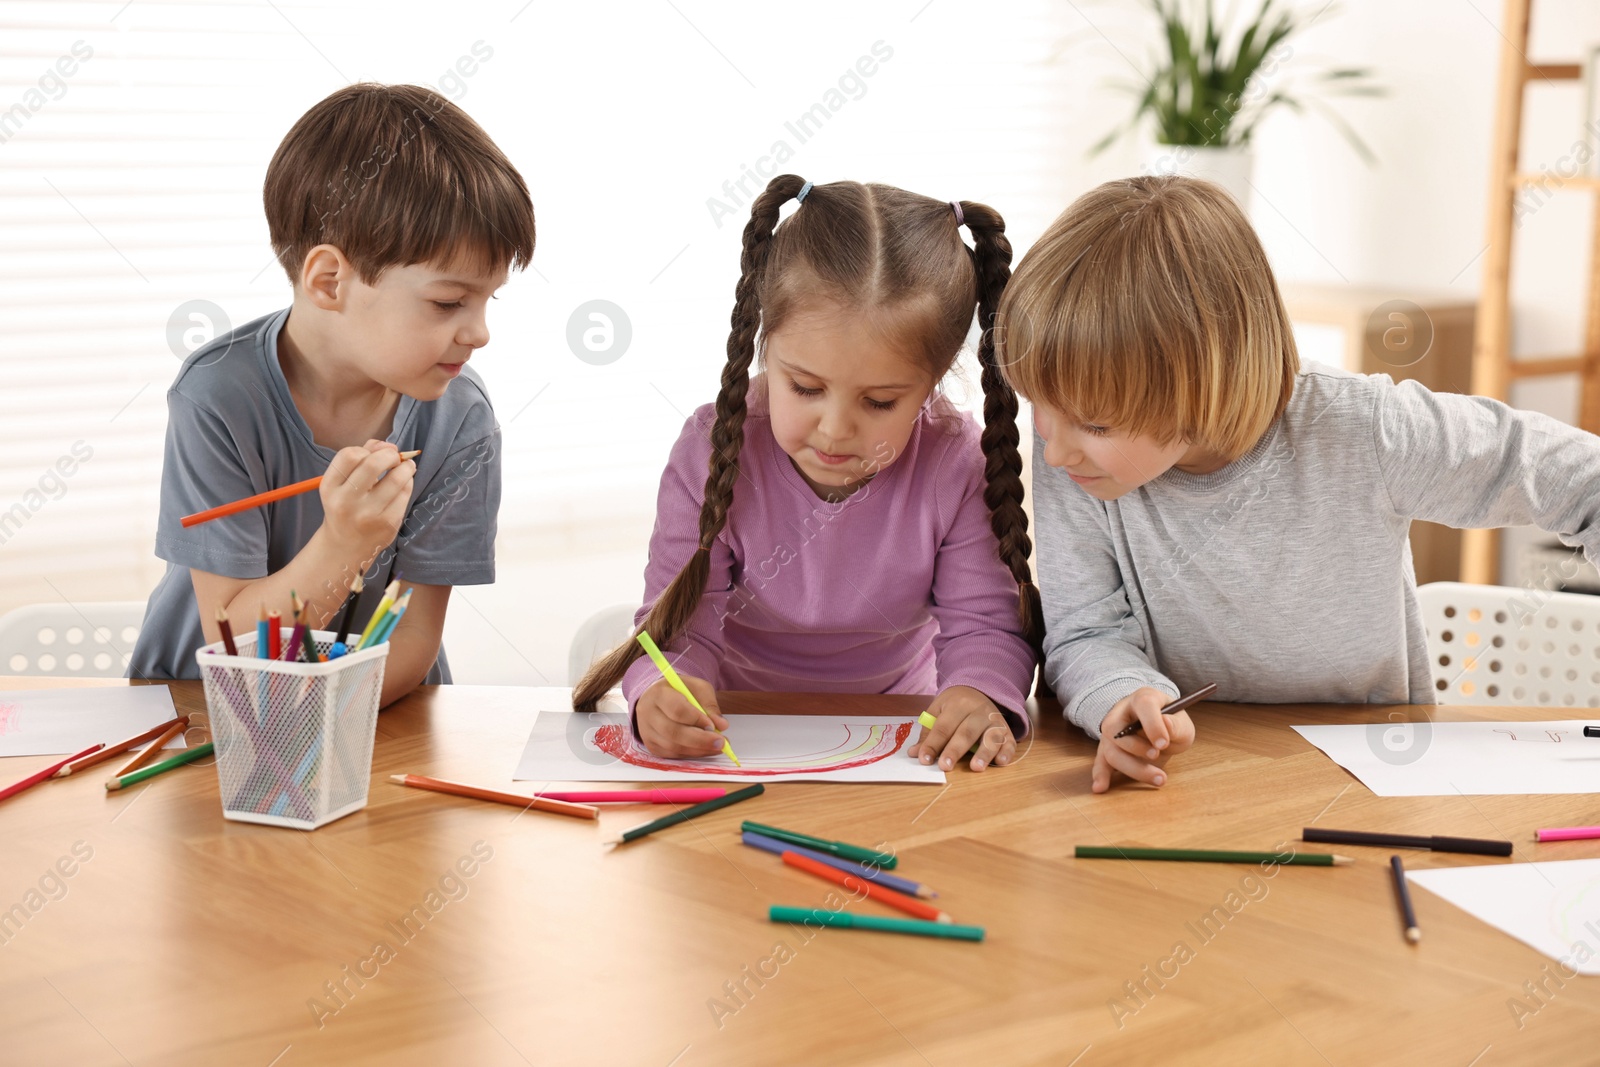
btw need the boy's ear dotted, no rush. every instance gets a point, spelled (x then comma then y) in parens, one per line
(325, 277)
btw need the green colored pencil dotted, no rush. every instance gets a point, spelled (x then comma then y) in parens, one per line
(1205, 855)
(832, 848)
(779, 914)
(188, 756)
(690, 812)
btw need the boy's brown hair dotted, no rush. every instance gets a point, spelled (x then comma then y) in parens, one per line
(899, 256)
(393, 175)
(1149, 306)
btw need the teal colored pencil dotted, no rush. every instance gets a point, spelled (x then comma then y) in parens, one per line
(832, 848)
(1205, 855)
(844, 921)
(165, 765)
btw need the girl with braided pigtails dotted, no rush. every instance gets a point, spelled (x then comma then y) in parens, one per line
(833, 523)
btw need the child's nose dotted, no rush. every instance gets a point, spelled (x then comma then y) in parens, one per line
(834, 424)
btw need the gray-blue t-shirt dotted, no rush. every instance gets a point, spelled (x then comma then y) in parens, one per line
(233, 431)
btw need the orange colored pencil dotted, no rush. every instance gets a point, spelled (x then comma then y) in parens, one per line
(909, 905)
(122, 746)
(173, 729)
(460, 789)
(271, 496)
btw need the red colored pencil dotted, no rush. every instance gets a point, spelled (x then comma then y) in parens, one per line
(274, 635)
(460, 789)
(271, 496)
(39, 776)
(909, 905)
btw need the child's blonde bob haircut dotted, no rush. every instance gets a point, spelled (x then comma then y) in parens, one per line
(1148, 306)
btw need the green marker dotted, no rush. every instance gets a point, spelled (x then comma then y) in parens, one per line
(779, 914)
(135, 777)
(832, 848)
(677, 683)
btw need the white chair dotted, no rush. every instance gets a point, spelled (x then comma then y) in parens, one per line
(1490, 644)
(85, 640)
(599, 634)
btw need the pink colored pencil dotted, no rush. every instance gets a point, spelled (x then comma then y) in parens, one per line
(38, 776)
(640, 796)
(1568, 833)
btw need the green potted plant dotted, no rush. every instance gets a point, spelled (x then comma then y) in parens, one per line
(1205, 94)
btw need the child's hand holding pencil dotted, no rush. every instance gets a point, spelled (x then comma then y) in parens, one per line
(670, 726)
(1140, 755)
(365, 494)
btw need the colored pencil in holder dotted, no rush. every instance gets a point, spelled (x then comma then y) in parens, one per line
(341, 635)
(226, 628)
(379, 612)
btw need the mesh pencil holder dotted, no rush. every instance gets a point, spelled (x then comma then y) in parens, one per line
(294, 740)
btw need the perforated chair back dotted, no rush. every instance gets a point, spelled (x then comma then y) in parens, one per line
(93, 640)
(599, 634)
(1490, 644)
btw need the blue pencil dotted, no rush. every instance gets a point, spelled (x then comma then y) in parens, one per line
(387, 626)
(871, 874)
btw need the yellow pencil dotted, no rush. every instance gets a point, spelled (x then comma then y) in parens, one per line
(382, 610)
(677, 683)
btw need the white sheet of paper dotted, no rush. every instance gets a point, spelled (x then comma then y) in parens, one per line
(50, 722)
(566, 746)
(1446, 759)
(1551, 907)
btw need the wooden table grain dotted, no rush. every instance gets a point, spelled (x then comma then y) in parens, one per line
(429, 929)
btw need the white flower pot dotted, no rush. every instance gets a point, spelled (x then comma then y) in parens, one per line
(1229, 167)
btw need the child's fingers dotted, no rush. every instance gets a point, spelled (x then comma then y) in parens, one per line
(707, 695)
(1181, 727)
(1138, 769)
(1147, 705)
(996, 746)
(933, 741)
(342, 466)
(372, 468)
(1100, 774)
(970, 732)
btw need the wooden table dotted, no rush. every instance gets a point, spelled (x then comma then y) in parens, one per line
(187, 939)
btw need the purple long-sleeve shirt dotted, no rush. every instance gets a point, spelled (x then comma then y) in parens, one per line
(898, 588)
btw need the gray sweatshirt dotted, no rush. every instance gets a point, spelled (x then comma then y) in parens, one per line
(1286, 577)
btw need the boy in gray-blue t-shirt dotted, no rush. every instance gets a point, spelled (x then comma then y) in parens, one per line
(396, 218)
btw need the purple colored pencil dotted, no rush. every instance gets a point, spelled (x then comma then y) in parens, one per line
(871, 874)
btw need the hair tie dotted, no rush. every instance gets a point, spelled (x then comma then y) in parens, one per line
(961, 219)
(800, 197)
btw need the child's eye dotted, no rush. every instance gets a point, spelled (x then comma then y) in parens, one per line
(880, 405)
(1097, 431)
(801, 390)
(442, 306)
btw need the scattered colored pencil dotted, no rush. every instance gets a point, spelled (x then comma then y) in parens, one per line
(172, 729)
(883, 895)
(461, 789)
(227, 632)
(38, 776)
(1408, 914)
(649, 646)
(379, 612)
(1473, 845)
(638, 796)
(872, 874)
(832, 848)
(689, 813)
(1202, 855)
(845, 921)
(165, 729)
(1171, 709)
(345, 620)
(124, 780)
(271, 496)
(1568, 833)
